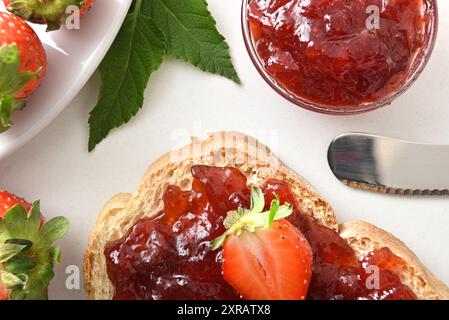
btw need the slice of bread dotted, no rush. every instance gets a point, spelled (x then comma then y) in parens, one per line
(258, 163)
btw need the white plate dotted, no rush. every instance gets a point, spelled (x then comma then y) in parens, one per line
(73, 56)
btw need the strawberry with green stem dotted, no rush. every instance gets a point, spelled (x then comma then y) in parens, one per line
(53, 13)
(23, 64)
(264, 256)
(27, 252)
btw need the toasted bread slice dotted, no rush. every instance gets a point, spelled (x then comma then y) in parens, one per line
(258, 163)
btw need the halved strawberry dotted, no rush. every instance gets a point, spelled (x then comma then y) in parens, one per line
(264, 256)
(50, 12)
(27, 252)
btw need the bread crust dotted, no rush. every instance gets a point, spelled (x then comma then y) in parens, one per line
(365, 238)
(258, 163)
(94, 284)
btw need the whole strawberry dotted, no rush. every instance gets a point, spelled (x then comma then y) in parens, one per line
(53, 13)
(23, 64)
(27, 252)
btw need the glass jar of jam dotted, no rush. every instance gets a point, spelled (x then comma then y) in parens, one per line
(340, 56)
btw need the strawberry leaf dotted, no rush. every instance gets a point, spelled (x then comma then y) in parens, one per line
(257, 200)
(4, 234)
(27, 253)
(192, 35)
(11, 281)
(136, 53)
(55, 254)
(253, 219)
(15, 219)
(283, 211)
(20, 264)
(47, 273)
(274, 208)
(6, 110)
(11, 78)
(54, 230)
(218, 242)
(34, 218)
(9, 250)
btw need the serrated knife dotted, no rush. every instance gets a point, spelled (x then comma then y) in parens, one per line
(380, 164)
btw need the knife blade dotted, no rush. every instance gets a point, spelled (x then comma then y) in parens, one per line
(386, 165)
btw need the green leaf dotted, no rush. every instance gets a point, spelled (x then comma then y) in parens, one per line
(218, 242)
(15, 219)
(4, 233)
(6, 110)
(20, 264)
(273, 211)
(36, 289)
(181, 28)
(257, 199)
(241, 220)
(192, 35)
(34, 218)
(18, 294)
(55, 254)
(284, 211)
(47, 273)
(27, 252)
(54, 229)
(137, 52)
(232, 217)
(2, 230)
(11, 78)
(25, 243)
(9, 250)
(10, 280)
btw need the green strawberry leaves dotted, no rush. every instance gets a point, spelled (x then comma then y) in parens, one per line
(27, 253)
(20, 264)
(53, 230)
(11, 81)
(184, 29)
(253, 219)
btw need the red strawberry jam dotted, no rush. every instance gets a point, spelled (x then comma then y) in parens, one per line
(168, 256)
(333, 54)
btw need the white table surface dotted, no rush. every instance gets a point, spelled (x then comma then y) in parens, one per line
(56, 167)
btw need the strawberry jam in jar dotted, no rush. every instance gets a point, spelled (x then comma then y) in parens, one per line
(340, 56)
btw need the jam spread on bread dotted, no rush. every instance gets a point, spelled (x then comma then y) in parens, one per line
(169, 256)
(334, 53)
